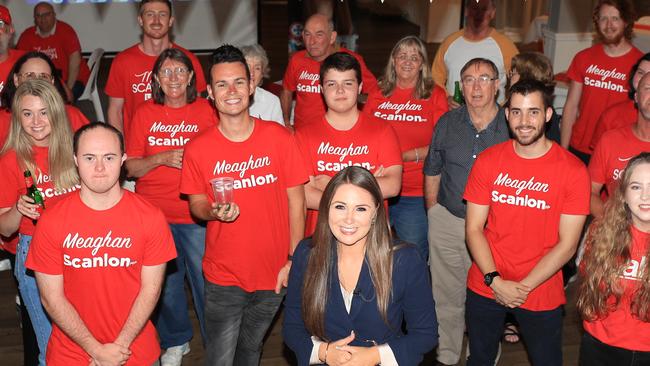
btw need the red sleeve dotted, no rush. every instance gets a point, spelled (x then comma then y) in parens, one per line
(439, 101)
(71, 43)
(390, 153)
(192, 181)
(302, 142)
(289, 80)
(198, 69)
(77, 119)
(45, 253)
(22, 41)
(578, 191)
(478, 185)
(12, 184)
(598, 163)
(371, 104)
(292, 162)
(576, 69)
(160, 246)
(135, 141)
(115, 83)
(369, 80)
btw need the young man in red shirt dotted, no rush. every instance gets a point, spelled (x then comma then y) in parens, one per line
(99, 257)
(58, 40)
(302, 74)
(598, 75)
(129, 81)
(249, 241)
(344, 136)
(527, 200)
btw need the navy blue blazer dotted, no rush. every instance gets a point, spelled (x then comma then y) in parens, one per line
(411, 301)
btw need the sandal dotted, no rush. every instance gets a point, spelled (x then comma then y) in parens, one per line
(511, 333)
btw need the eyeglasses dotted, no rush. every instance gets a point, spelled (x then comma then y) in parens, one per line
(404, 57)
(179, 71)
(482, 80)
(32, 75)
(42, 15)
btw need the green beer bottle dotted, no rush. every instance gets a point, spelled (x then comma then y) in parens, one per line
(34, 193)
(458, 96)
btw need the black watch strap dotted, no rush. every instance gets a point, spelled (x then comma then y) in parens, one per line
(489, 277)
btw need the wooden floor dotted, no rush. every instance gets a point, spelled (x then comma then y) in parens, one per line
(377, 34)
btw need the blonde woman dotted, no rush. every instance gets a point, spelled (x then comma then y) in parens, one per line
(39, 141)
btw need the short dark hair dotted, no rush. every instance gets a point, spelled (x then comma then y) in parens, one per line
(93, 126)
(528, 86)
(341, 61)
(478, 61)
(177, 55)
(631, 89)
(9, 88)
(166, 2)
(625, 8)
(227, 53)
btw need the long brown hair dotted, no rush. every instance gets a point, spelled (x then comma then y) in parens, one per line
(60, 158)
(607, 255)
(424, 85)
(379, 252)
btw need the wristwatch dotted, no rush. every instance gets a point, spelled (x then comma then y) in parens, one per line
(489, 277)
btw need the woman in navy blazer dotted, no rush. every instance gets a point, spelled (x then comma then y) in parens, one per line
(351, 288)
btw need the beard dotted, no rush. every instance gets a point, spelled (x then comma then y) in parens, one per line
(610, 40)
(529, 140)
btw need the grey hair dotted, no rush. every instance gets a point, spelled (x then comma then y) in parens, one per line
(257, 51)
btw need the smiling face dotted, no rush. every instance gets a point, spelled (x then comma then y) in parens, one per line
(155, 20)
(256, 69)
(174, 78)
(611, 26)
(99, 160)
(351, 214)
(230, 88)
(637, 196)
(408, 64)
(34, 120)
(527, 117)
(340, 90)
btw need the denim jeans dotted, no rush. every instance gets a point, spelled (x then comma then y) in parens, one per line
(29, 293)
(541, 331)
(236, 322)
(172, 316)
(593, 352)
(409, 218)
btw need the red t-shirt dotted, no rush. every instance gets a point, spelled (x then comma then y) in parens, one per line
(617, 116)
(156, 128)
(526, 198)
(302, 77)
(369, 144)
(604, 83)
(10, 244)
(59, 46)
(6, 65)
(76, 118)
(413, 121)
(620, 328)
(13, 184)
(612, 154)
(248, 252)
(130, 79)
(100, 255)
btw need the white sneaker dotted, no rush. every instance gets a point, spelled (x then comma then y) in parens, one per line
(5, 265)
(173, 356)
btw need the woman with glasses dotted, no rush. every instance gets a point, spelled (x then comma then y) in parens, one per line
(411, 103)
(34, 65)
(39, 142)
(351, 286)
(156, 137)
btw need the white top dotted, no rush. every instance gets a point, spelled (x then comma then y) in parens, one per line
(266, 106)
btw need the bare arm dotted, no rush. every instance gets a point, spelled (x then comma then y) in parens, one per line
(296, 197)
(286, 97)
(151, 278)
(596, 206)
(390, 181)
(570, 113)
(570, 229)
(137, 167)
(68, 320)
(73, 68)
(9, 220)
(115, 117)
(419, 154)
(431, 189)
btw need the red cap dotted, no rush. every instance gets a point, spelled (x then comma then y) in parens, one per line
(5, 15)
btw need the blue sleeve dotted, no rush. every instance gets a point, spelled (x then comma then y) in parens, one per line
(418, 309)
(294, 332)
